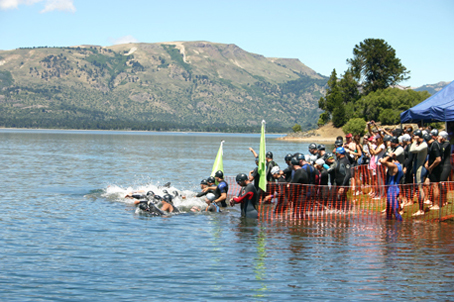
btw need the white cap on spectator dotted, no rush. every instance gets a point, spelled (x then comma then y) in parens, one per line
(443, 134)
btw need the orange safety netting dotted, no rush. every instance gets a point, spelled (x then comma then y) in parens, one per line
(367, 198)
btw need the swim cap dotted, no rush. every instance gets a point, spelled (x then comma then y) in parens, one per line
(319, 162)
(434, 132)
(406, 137)
(288, 157)
(300, 156)
(211, 180)
(427, 137)
(269, 154)
(418, 133)
(275, 170)
(312, 146)
(394, 140)
(167, 198)
(203, 182)
(211, 196)
(219, 174)
(338, 143)
(443, 134)
(150, 193)
(295, 161)
(328, 156)
(340, 150)
(241, 177)
(321, 147)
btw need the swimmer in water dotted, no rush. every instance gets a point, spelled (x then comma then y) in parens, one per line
(212, 206)
(167, 204)
(248, 197)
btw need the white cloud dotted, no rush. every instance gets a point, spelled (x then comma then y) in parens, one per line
(61, 5)
(124, 40)
(49, 5)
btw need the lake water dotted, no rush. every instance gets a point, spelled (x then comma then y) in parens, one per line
(67, 233)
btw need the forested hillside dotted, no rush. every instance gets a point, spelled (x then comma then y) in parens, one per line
(198, 86)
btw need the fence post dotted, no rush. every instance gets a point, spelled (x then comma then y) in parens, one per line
(441, 200)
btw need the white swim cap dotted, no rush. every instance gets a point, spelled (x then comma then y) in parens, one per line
(210, 196)
(320, 162)
(275, 170)
(443, 134)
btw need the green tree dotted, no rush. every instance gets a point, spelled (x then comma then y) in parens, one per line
(297, 128)
(375, 65)
(350, 93)
(355, 126)
(393, 100)
(338, 104)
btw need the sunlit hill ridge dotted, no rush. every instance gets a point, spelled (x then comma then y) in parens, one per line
(198, 86)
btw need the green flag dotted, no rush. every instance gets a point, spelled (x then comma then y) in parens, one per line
(218, 161)
(262, 161)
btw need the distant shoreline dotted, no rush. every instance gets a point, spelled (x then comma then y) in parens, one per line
(141, 131)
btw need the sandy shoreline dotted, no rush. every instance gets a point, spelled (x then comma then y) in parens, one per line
(313, 139)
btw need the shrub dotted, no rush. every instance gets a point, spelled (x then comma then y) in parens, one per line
(297, 128)
(355, 126)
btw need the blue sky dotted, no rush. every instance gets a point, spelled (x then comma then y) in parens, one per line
(321, 34)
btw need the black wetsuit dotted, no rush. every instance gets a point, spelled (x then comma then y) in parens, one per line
(408, 164)
(300, 177)
(248, 197)
(269, 166)
(150, 207)
(323, 177)
(256, 176)
(434, 152)
(288, 174)
(342, 172)
(204, 193)
(222, 187)
(445, 161)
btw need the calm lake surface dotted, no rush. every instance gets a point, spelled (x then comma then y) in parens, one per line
(67, 233)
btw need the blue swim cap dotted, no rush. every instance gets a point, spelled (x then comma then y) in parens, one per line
(340, 150)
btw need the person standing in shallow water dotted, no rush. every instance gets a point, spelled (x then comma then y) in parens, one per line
(248, 197)
(394, 175)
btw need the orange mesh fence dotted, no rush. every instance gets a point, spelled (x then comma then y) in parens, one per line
(366, 199)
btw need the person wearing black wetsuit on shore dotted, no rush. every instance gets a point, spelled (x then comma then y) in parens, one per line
(445, 162)
(342, 175)
(408, 189)
(248, 197)
(446, 155)
(433, 166)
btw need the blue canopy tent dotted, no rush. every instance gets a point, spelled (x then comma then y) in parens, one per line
(437, 108)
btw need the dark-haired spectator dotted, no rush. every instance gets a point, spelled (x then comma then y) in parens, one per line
(419, 148)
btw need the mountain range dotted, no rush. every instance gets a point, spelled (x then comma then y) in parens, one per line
(191, 86)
